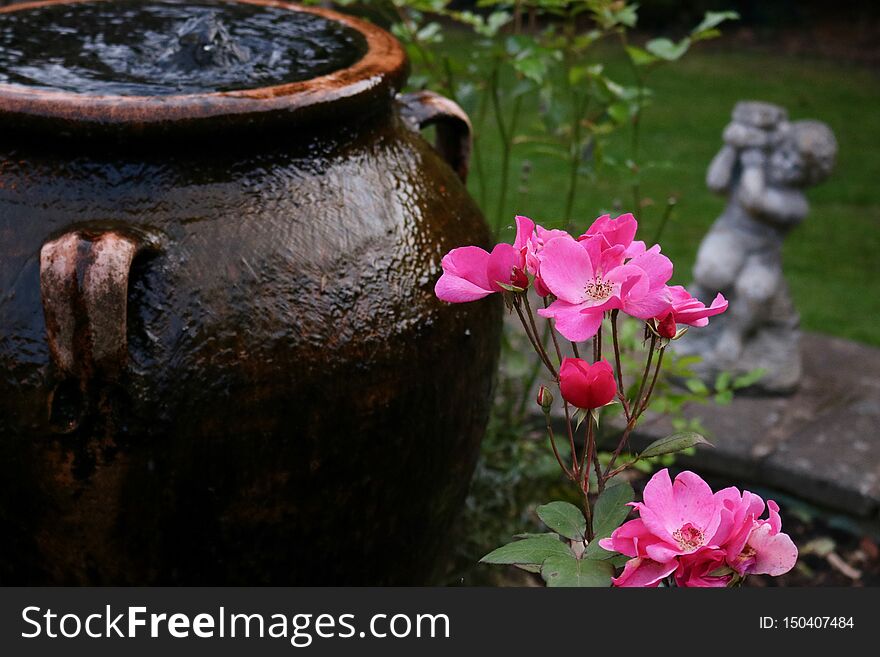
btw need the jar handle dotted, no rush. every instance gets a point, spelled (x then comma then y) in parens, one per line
(421, 109)
(84, 289)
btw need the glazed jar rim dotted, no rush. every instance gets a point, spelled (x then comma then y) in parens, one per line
(375, 78)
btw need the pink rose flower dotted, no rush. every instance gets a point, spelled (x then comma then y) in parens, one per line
(613, 232)
(642, 572)
(754, 546)
(686, 309)
(698, 570)
(590, 277)
(586, 385)
(700, 537)
(533, 255)
(471, 273)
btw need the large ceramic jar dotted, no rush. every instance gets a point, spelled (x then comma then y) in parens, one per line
(221, 359)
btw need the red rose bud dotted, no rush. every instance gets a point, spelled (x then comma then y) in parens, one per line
(587, 386)
(545, 399)
(519, 278)
(666, 327)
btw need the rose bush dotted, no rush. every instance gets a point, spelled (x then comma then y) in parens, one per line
(684, 534)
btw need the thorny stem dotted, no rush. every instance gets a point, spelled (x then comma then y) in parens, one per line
(620, 389)
(647, 399)
(620, 445)
(600, 482)
(532, 338)
(553, 334)
(531, 317)
(588, 514)
(570, 436)
(533, 376)
(567, 472)
(637, 401)
(589, 454)
(639, 404)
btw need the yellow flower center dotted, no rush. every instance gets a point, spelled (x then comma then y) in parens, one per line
(599, 290)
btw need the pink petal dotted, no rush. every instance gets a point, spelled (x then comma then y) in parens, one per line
(610, 258)
(689, 310)
(629, 539)
(525, 229)
(662, 552)
(566, 269)
(572, 321)
(668, 506)
(774, 520)
(636, 248)
(653, 304)
(469, 263)
(621, 230)
(644, 573)
(500, 265)
(776, 554)
(656, 265)
(458, 290)
(634, 281)
(464, 275)
(696, 502)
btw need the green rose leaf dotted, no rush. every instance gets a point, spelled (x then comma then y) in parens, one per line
(610, 511)
(563, 518)
(568, 571)
(674, 443)
(528, 551)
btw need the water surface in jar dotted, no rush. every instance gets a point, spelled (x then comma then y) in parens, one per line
(130, 48)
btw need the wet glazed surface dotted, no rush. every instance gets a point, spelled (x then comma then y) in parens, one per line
(297, 406)
(163, 48)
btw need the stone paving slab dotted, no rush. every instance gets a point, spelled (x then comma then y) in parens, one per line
(821, 444)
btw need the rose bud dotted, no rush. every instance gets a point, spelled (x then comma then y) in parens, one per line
(545, 399)
(666, 327)
(586, 385)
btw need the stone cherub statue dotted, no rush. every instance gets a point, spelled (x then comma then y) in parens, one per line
(764, 166)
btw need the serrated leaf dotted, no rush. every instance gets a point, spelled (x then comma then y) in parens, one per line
(563, 518)
(529, 567)
(667, 49)
(568, 571)
(611, 509)
(529, 550)
(534, 535)
(609, 512)
(674, 443)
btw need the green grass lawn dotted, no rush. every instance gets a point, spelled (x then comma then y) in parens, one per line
(831, 260)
